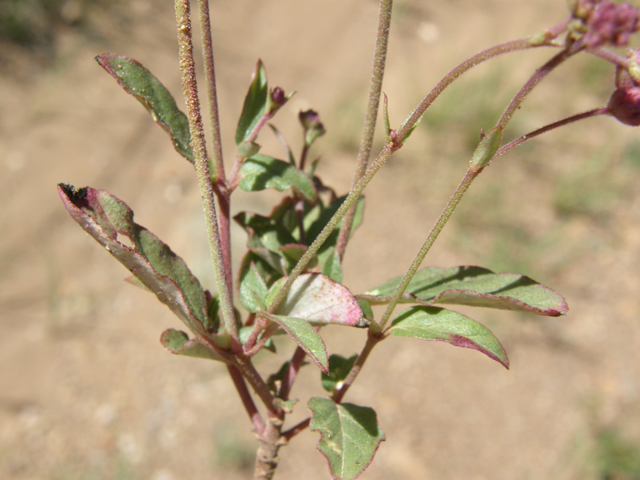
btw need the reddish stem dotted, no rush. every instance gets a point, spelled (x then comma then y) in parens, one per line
(292, 372)
(293, 431)
(247, 401)
(565, 121)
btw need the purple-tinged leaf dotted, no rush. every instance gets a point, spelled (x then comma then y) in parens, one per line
(255, 104)
(178, 343)
(474, 286)
(318, 299)
(147, 89)
(349, 436)
(261, 172)
(106, 219)
(305, 336)
(434, 323)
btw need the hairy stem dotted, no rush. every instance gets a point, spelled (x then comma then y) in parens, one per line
(535, 79)
(210, 75)
(471, 174)
(375, 88)
(190, 91)
(512, 46)
(565, 121)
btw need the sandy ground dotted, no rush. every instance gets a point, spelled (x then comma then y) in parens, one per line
(87, 392)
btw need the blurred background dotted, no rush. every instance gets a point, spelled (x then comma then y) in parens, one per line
(88, 393)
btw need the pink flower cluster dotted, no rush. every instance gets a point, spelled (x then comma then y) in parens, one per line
(609, 23)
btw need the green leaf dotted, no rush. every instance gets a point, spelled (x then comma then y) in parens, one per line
(178, 343)
(261, 172)
(474, 286)
(487, 147)
(147, 89)
(264, 268)
(106, 219)
(349, 436)
(317, 226)
(434, 323)
(385, 116)
(305, 336)
(264, 232)
(255, 104)
(339, 368)
(287, 405)
(253, 290)
(367, 311)
(319, 300)
(331, 266)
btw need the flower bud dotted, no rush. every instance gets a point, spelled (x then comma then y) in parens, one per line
(624, 105)
(313, 128)
(276, 100)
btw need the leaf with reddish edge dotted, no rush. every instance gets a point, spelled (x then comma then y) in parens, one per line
(319, 300)
(439, 324)
(178, 343)
(105, 218)
(147, 89)
(473, 286)
(305, 336)
(349, 436)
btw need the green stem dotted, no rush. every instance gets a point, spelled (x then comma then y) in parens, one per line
(375, 88)
(351, 199)
(471, 174)
(190, 91)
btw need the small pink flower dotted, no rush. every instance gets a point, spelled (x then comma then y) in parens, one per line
(612, 24)
(624, 105)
